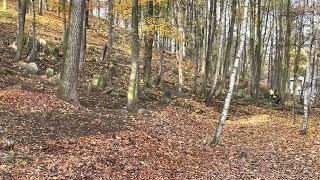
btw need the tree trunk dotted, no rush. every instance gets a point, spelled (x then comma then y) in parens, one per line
(33, 53)
(134, 76)
(228, 55)
(41, 7)
(68, 84)
(306, 94)
(219, 55)
(83, 40)
(218, 130)
(148, 43)
(285, 78)
(206, 64)
(21, 11)
(295, 69)
(106, 57)
(180, 44)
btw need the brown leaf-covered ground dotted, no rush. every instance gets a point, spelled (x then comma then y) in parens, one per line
(161, 139)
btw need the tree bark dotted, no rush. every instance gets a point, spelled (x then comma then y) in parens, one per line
(227, 59)
(206, 65)
(148, 43)
(68, 83)
(295, 69)
(219, 55)
(179, 55)
(41, 7)
(33, 53)
(134, 76)
(306, 94)
(106, 57)
(83, 40)
(21, 11)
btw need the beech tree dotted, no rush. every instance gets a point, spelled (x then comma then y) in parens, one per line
(69, 76)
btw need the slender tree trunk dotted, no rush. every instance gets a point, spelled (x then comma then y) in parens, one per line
(219, 56)
(206, 65)
(41, 7)
(21, 11)
(180, 44)
(197, 56)
(148, 43)
(68, 84)
(228, 55)
(160, 72)
(33, 53)
(306, 94)
(83, 41)
(106, 58)
(314, 74)
(134, 76)
(285, 78)
(295, 69)
(218, 130)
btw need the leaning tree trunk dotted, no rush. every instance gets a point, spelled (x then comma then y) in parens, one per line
(68, 84)
(148, 43)
(134, 76)
(218, 130)
(33, 53)
(21, 11)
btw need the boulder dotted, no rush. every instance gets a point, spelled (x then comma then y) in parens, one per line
(49, 73)
(29, 68)
(167, 95)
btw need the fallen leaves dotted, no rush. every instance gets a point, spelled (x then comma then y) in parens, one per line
(31, 102)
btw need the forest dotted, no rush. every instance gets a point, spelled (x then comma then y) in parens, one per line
(159, 89)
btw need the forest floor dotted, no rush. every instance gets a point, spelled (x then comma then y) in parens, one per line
(161, 139)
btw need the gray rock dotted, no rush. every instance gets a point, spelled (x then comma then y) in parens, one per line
(49, 73)
(29, 68)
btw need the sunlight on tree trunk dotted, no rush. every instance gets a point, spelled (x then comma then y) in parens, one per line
(134, 76)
